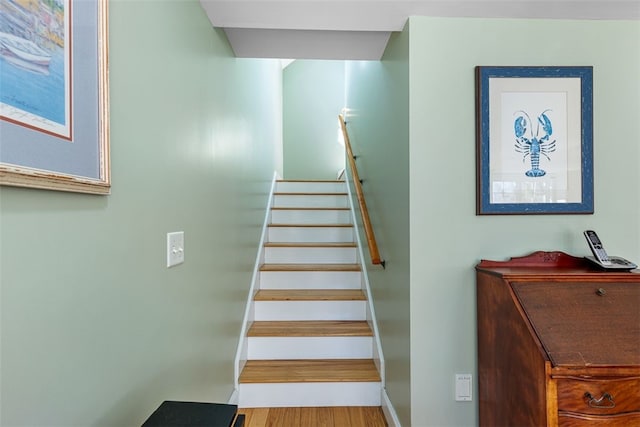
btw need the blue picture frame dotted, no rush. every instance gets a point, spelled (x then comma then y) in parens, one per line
(54, 101)
(534, 140)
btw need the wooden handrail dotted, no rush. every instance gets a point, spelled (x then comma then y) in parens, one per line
(366, 221)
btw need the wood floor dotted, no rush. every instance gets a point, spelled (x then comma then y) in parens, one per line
(337, 416)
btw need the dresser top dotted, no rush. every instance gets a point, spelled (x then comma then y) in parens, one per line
(556, 263)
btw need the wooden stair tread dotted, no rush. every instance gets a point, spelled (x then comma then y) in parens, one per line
(333, 181)
(307, 208)
(309, 225)
(310, 267)
(309, 371)
(310, 328)
(310, 245)
(310, 193)
(309, 295)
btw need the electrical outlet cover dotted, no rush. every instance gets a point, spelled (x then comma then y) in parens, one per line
(464, 387)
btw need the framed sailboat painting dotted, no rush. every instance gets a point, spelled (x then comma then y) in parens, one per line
(54, 97)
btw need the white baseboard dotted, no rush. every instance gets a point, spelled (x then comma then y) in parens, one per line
(389, 411)
(233, 399)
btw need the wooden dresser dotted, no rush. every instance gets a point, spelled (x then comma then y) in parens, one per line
(558, 343)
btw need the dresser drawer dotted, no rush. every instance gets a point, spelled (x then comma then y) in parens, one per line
(599, 396)
(568, 419)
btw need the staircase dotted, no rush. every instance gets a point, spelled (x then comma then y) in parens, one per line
(309, 339)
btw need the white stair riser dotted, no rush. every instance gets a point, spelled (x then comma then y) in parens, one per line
(310, 234)
(270, 348)
(309, 201)
(309, 394)
(311, 187)
(310, 280)
(293, 255)
(311, 216)
(310, 310)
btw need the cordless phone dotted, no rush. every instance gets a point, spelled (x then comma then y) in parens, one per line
(600, 256)
(596, 247)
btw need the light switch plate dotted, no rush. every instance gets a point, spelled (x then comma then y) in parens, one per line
(175, 248)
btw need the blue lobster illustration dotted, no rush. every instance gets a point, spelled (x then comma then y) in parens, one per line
(532, 145)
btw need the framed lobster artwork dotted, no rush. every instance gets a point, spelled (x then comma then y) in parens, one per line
(534, 140)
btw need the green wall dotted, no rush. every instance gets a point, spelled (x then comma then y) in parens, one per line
(437, 166)
(313, 98)
(378, 125)
(444, 228)
(95, 330)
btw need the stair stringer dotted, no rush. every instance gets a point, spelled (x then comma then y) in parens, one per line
(378, 356)
(249, 313)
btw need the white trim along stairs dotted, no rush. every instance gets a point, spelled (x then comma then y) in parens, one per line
(309, 336)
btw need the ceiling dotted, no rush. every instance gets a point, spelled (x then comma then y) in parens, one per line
(360, 29)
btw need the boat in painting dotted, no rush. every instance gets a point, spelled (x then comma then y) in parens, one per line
(24, 53)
